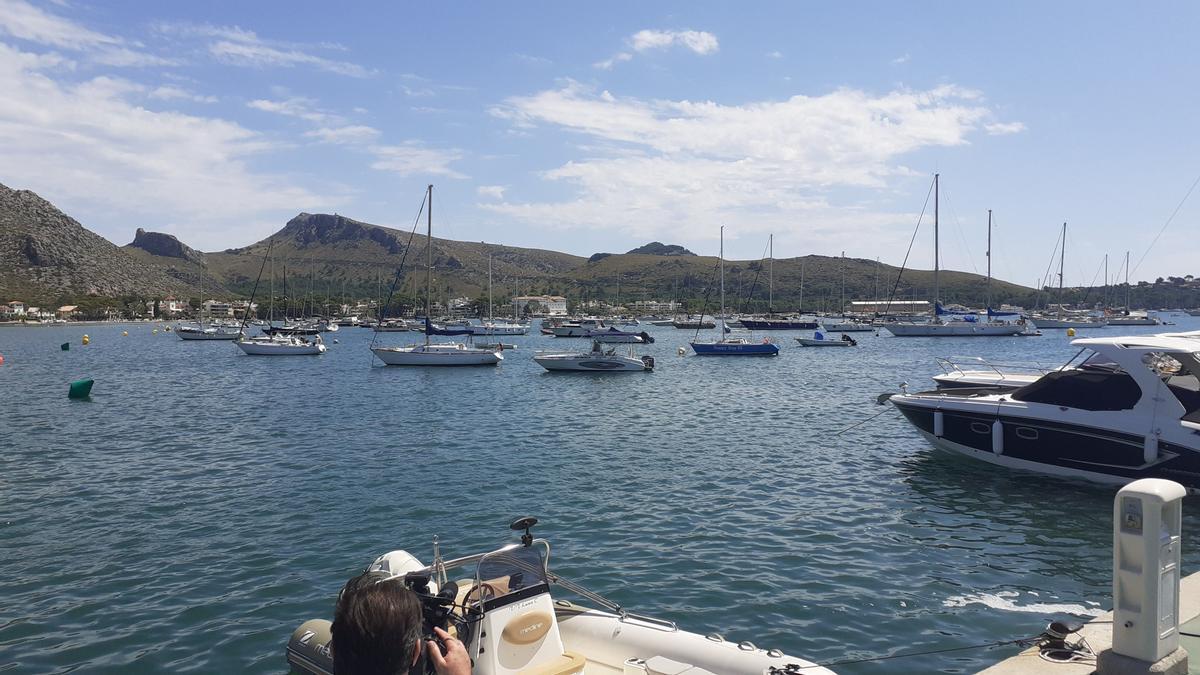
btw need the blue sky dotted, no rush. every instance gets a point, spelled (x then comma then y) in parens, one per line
(601, 126)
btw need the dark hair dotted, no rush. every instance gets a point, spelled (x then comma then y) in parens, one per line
(376, 626)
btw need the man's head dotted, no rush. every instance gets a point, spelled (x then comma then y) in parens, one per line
(376, 626)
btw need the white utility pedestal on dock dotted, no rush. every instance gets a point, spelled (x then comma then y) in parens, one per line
(1141, 635)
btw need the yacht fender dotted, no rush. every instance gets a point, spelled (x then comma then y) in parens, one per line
(998, 437)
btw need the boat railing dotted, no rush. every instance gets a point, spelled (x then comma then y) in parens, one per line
(962, 364)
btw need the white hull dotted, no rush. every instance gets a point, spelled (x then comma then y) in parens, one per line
(1066, 323)
(264, 348)
(955, 329)
(499, 329)
(453, 354)
(209, 334)
(984, 378)
(847, 327)
(594, 363)
(809, 342)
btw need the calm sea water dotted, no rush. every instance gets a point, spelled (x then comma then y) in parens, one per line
(203, 503)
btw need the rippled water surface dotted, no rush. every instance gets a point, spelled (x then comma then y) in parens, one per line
(203, 503)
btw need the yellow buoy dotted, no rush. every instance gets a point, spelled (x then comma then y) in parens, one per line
(86, 339)
(125, 333)
(1070, 332)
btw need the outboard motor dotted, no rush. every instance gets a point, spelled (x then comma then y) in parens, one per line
(646, 338)
(648, 361)
(308, 649)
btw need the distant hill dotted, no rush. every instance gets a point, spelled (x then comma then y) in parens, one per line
(659, 248)
(46, 255)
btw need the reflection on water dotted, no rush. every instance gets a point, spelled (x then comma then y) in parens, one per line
(204, 502)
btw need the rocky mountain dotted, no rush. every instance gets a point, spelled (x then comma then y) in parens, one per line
(165, 245)
(45, 254)
(659, 248)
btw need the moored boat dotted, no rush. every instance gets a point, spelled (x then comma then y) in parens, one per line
(281, 345)
(1129, 410)
(598, 360)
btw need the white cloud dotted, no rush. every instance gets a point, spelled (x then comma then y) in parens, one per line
(95, 152)
(23, 21)
(663, 167)
(1004, 128)
(775, 54)
(173, 93)
(345, 135)
(414, 159)
(901, 59)
(491, 191)
(237, 46)
(700, 42)
(296, 106)
(607, 64)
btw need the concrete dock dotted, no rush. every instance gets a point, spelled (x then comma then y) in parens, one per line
(1098, 633)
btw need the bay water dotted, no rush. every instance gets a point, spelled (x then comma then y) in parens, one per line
(203, 503)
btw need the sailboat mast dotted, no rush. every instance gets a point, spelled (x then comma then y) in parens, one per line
(428, 260)
(771, 274)
(801, 286)
(1106, 280)
(491, 316)
(1127, 280)
(1062, 257)
(842, 309)
(936, 287)
(989, 261)
(722, 258)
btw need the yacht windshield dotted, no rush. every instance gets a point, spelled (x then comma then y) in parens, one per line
(1098, 361)
(509, 574)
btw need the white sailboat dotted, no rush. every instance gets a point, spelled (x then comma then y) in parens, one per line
(276, 343)
(1061, 320)
(937, 326)
(435, 354)
(491, 326)
(200, 330)
(598, 360)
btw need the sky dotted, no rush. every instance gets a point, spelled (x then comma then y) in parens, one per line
(589, 127)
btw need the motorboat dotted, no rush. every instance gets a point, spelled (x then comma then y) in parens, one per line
(845, 325)
(662, 322)
(819, 339)
(728, 345)
(693, 323)
(1130, 409)
(615, 335)
(597, 360)
(202, 332)
(505, 606)
(499, 328)
(979, 373)
(392, 326)
(281, 344)
(1065, 321)
(580, 328)
(1133, 319)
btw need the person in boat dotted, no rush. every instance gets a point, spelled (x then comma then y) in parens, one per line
(377, 630)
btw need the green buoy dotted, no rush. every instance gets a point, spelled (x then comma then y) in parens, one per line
(66, 346)
(81, 388)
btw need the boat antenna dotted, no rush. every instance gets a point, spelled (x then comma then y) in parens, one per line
(246, 314)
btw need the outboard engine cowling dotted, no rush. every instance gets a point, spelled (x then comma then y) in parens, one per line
(308, 649)
(648, 361)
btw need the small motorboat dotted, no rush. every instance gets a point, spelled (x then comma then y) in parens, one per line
(503, 606)
(614, 335)
(598, 360)
(819, 339)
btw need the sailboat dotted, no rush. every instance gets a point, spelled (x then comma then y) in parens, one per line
(200, 331)
(844, 324)
(491, 326)
(731, 346)
(277, 344)
(429, 353)
(1129, 318)
(937, 326)
(773, 322)
(1061, 320)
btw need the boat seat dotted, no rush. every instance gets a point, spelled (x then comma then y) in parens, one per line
(569, 663)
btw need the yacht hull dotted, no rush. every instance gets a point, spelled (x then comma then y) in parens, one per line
(589, 363)
(735, 349)
(952, 330)
(1043, 324)
(778, 324)
(204, 335)
(421, 356)
(276, 349)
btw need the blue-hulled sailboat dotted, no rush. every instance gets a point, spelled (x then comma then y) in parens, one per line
(731, 346)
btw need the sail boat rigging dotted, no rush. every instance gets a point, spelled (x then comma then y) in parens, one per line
(1061, 320)
(771, 321)
(731, 346)
(938, 326)
(430, 353)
